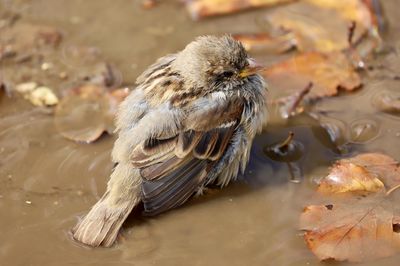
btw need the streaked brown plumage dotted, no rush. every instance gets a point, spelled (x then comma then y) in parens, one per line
(189, 123)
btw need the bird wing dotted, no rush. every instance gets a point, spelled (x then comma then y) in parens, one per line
(173, 168)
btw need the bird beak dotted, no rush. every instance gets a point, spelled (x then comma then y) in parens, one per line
(251, 69)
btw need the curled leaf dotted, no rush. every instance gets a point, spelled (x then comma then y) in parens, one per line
(347, 177)
(383, 166)
(369, 172)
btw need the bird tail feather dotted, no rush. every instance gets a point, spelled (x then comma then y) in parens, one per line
(101, 225)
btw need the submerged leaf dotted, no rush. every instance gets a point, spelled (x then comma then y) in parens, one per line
(357, 231)
(327, 73)
(87, 112)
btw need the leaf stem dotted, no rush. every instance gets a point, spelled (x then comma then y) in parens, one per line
(392, 189)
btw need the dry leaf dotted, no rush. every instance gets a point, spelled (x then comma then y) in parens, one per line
(347, 177)
(263, 42)
(149, 4)
(360, 230)
(383, 166)
(87, 112)
(369, 172)
(327, 73)
(205, 8)
(351, 10)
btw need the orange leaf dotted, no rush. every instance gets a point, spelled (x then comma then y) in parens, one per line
(327, 72)
(204, 8)
(347, 177)
(264, 42)
(322, 25)
(383, 166)
(357, 231)
(369, 172)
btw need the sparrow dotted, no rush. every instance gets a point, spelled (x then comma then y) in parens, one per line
(190, 122)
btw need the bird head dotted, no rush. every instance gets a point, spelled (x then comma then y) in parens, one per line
(216, 63)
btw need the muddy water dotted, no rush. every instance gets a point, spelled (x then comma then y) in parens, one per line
(47, 182)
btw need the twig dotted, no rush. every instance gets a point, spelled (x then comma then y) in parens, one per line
(299, 98)
(350, 33)
(282, 147)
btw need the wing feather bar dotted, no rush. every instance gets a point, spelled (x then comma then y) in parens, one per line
(186, 142)
(206, 144)
(153, 151)
(173, 189)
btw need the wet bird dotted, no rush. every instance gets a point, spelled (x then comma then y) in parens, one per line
(190, 122)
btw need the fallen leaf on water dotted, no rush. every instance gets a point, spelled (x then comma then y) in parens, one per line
(327, 72)
(323, 25)
(347, 176)
(356, 231)
(205, 8)
(369, 172)
(149, 4)
(263, 42)
(383, 166)
(352, 10)
(87, 112)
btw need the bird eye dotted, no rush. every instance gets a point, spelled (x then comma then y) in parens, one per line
(227, 74)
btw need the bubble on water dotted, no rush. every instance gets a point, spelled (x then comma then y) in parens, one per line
(363, 130)
(387, 101)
